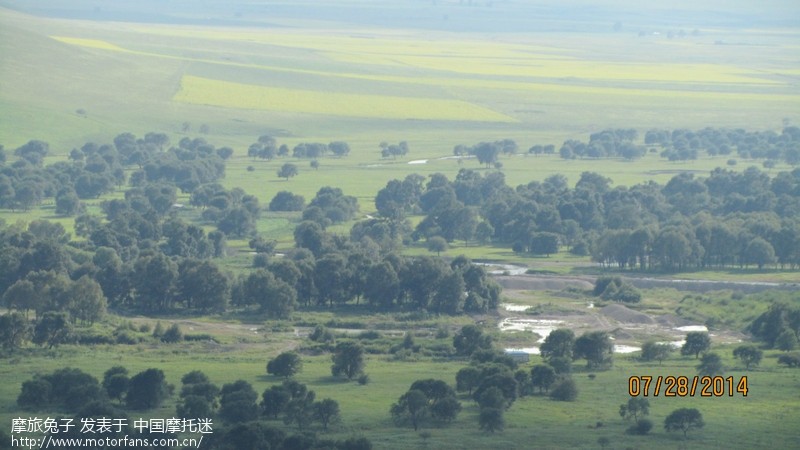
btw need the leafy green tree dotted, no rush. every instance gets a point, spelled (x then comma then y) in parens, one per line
(759, 252)
(491, 419)
(750, 355)
(559, 343)
(87, 304)
(274, 400)
(790, 359)
(22, 295)
(348, 360)
(469, 339)
(564, 390)
(656, 351)
(326, 412)
(635, 409)
(300, 409)
(202, 285)
(449, 297)
(382, 286)
(446, 409)
(467, 379)
(286, 365)
(154, 279)
(14, 330)
(436, 244)
(66, 389)
(696, 342)
(504, 381)
(685, 420)
(68, 203)
(710, 364)
(147, 390)
(198, 397)
(286, 201)
(544, 243)
(275, 296)
(237, 402)
(492, 398)
(115, 382)
(287, 171)
(543, 376)
(411, 407)
(52, 329)
(595, 347)
(787, 340)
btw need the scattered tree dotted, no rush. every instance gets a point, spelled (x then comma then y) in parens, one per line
(750, 355)
(685, 420)
(348, 360)
(710, 364)
(285, 365)
(287, 171)
(696, 342)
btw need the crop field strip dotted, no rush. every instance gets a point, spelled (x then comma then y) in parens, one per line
(580, 82)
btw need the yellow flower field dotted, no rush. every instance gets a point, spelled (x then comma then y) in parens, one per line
(206, 91)
(90, 43)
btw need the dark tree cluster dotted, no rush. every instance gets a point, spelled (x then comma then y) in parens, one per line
(71, 390)
(615, 289)
(233, 211)
(266, 147)
(487, 153)
(683, 144)
(728, 219)
(426, 401)
(561, 347)
(393, 150)
(193, 163)
(779, 326)
(605, 144)
(91, 172)
(330, 206)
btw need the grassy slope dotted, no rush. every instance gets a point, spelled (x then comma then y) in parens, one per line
(766, 415)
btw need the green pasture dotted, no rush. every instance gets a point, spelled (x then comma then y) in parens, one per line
(765, 418)
(372, 85)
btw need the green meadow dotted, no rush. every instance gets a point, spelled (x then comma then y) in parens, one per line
(68, 82)
(764, 418)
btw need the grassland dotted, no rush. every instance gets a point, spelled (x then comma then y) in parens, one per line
(764, 418)
(307, 83)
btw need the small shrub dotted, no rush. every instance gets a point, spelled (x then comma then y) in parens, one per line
(370, 334)
(564, 390)
(642, 427)
(172, 335)
(363, 379)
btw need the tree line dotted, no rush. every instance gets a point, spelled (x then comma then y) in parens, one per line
(727, 219)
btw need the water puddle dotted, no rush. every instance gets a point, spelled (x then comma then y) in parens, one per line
(542, 327)
(503, 269)
(514, 307)
(419, 161)
(626, 349)
(690, 328)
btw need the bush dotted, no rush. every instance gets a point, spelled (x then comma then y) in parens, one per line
(564, 390)
(172, 335)
(363, 379)
(642, 427)
(790, 359)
